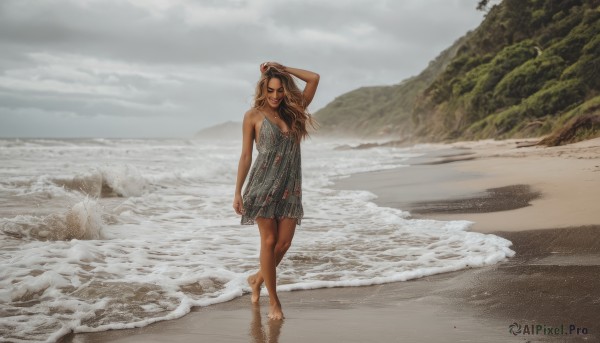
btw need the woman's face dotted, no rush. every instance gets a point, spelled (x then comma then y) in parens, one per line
(274, 93)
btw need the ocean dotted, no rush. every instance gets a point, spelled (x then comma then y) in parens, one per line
(100, 234)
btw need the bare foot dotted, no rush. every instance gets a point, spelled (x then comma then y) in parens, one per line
(255, 288)
(275, 312)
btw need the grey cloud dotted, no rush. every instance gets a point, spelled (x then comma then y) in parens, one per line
(172, 68)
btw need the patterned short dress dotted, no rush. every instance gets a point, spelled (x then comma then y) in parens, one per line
(274, 188)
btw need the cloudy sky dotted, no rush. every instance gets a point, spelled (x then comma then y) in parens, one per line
(167, 68)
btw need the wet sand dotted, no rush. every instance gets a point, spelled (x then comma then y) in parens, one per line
(543, 187)
(545, 200)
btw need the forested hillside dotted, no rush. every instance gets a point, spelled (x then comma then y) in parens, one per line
(383, 110)
(531, 68)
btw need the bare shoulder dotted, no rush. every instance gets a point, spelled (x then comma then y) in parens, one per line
(252, 115)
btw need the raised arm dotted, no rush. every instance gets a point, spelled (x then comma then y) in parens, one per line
(245, 160)
(311, 79)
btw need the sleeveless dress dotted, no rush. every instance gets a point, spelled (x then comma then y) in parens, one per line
(274, 188)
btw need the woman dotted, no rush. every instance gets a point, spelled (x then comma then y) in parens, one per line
(273, 196)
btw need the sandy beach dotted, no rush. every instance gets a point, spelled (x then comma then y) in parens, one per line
(544, 200)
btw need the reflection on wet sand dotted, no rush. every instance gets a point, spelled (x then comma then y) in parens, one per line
(258, 332)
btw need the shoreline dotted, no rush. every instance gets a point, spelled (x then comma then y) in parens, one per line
(544, 187)
(544, 284)
(551, 281)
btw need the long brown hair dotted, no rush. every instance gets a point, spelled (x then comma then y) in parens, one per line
(292, 108)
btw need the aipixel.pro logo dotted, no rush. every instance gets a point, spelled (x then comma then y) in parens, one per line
(541, 329)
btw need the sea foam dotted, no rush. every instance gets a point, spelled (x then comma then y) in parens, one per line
(82, 221)
(74, 260)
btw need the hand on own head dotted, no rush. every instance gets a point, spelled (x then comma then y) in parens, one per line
(264, 67)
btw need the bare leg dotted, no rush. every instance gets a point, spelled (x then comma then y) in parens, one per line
(285, 232)
(255, 286)
(256, 280)
(268, 240)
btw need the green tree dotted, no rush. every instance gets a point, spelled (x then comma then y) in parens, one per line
(482, 5)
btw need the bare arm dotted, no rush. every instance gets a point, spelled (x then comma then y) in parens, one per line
(245, 160)
(311, 79)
